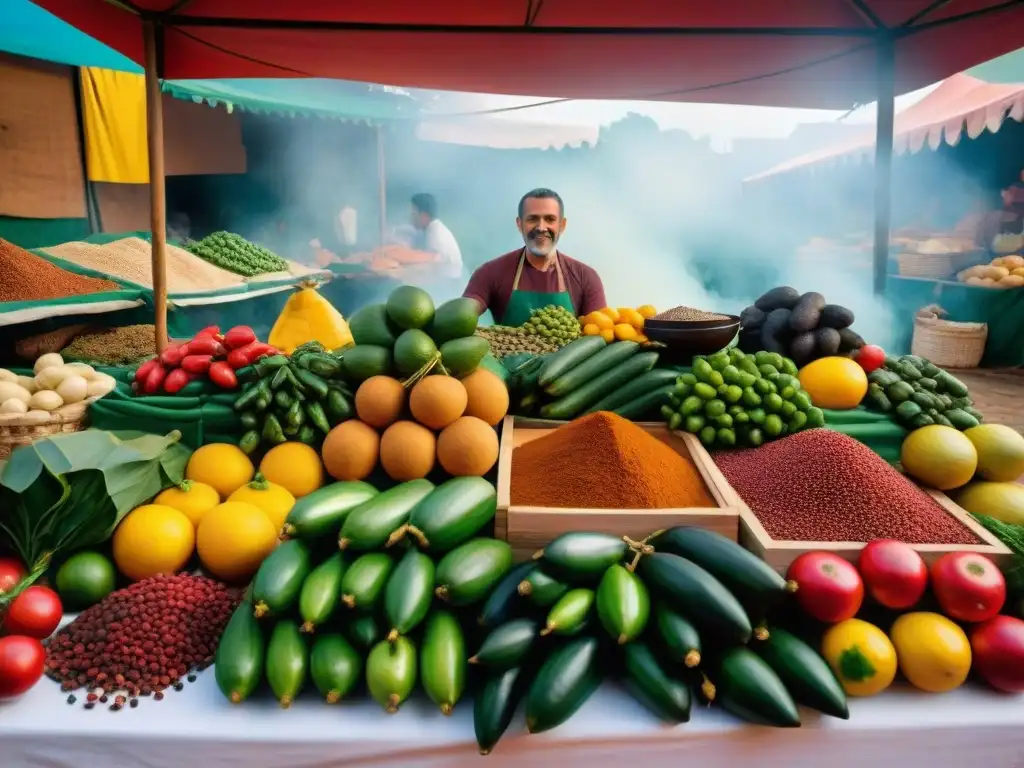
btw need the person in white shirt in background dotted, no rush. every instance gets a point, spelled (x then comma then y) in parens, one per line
(435, 237)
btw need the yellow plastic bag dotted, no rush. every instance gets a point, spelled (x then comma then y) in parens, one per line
(308, 316)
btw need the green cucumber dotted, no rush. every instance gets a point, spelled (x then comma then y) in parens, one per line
(563, 684)
(806, 675)
(391, 673)
(570, 613)
(582, 557)
(645, 404)
(653, 380)
(588, 393)
(678, 635)
(287, 662)
(595, 365)
(453, 512)
(334, 666)
(568, 357)
(279, 579)
(505, 602)
(757, 585)
(322, 512)
(689, 589)
(468, 573)
(321, 592)
(363, 631)
(746, 687)
(238, 664)
(372, 524)
(495, 705)
(651, 685)
(541, 589)
(363, 584)
(408, 594)
(508, 645)
(443, 661)
(623, 604)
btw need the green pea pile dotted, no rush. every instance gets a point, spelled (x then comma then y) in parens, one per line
(735, 399)
(236, 254)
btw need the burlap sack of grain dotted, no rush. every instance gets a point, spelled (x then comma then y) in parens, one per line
(51, 341)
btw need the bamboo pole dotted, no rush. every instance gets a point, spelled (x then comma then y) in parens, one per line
(157, 202)
(382, 187)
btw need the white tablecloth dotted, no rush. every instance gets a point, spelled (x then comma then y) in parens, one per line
(198, 728)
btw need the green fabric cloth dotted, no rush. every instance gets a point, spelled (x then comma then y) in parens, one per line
(876, 430)
(1002, 309)
(40, 233)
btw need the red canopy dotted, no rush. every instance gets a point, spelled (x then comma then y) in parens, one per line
(794, 53)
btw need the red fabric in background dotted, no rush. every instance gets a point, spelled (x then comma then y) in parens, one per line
(823, 71)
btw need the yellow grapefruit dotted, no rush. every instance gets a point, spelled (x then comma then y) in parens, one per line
(220, 465)
(941, 457)
(837, 383)
(192, 498)
(1000, 452)
(151, 540)
(233, 539)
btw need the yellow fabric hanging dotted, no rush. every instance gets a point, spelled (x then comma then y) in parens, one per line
(114, 123)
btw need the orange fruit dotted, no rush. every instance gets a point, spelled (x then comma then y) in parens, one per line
(624, 332)
(611, 312)
(837, 383)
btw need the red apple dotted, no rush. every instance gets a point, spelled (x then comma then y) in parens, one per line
(828, 587)
(968, 586)
(997, 648)
(870, 357)
(894, 573)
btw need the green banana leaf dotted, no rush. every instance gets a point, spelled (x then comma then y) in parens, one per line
(70, 491)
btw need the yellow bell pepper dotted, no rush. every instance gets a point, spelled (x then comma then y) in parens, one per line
(308, 316)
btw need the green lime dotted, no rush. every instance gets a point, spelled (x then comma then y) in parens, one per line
(84, 580)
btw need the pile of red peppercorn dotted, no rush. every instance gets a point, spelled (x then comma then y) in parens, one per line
(142, 640)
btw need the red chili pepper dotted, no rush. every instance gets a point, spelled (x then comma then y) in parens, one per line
(210, 330)
(144, 370)
(155, 379)
(239, 358)
(239, 336)
(197, 363)
(176, 380)
(222, 375)
(261, 349)
(171, 357)
(204, 345)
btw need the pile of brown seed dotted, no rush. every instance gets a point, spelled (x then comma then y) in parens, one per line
(115, 346)
(143, 639)
(27, 277)
(688, 314)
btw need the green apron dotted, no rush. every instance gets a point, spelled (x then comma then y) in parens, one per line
(521, 302)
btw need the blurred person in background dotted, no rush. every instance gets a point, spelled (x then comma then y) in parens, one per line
(538, 274)
(179, 227)
(432, 236)
(338, 238)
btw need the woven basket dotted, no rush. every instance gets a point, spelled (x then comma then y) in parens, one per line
(937, 266)
(17, 430)
(948, 344)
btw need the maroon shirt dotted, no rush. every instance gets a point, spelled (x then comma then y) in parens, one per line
(491, 283)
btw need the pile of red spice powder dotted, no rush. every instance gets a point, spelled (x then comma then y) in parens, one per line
(822, 485)
(603, 461)
(142, 639)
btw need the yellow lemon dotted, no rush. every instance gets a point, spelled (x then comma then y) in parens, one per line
(275, 501)
(834, 382)
(861, 657)
(233, 539)
(191, 498)
(222, 466)
(153, 539)
(934, 653)
(294, 466)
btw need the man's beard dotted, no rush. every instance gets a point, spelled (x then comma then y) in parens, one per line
(541, 248)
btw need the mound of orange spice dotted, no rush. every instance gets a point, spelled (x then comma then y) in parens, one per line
(603, 461)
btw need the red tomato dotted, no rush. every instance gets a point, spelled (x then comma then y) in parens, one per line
(968, 586)
(870, 358)
(11, 573)
(21, 664)
(894, 574)
(36, 612)
(828, 587)
(997, 648)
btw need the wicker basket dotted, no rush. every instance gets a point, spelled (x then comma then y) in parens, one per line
(937, 266)
(945, 343)
(17, 430)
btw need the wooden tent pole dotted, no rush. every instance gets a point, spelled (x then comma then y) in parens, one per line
(157, 201)
(382, 187)
(884, 125)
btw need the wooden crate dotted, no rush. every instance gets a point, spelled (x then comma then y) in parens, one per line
(528, 529)
(779, 554)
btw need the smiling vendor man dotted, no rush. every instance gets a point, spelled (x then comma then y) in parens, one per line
(537, 275)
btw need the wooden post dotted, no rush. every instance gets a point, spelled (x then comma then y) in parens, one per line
(157, 202)
(884, 125)
(382, 187)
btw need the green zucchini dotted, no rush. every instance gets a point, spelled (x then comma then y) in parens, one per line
(279, 580)
(679, 637)
(653, 687)
(495, 705)
(322, 512)
(505, 603)
(589, 392)
(645, 404)
(568, 357)
(582, 557)
(238, 664)
(691, 590)
(592, 367)
(453, 513)
(748, 688)
(642, 385)
(563, 684)
(961, 419)
(370, 525)
(467, 574)
(806, 675)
